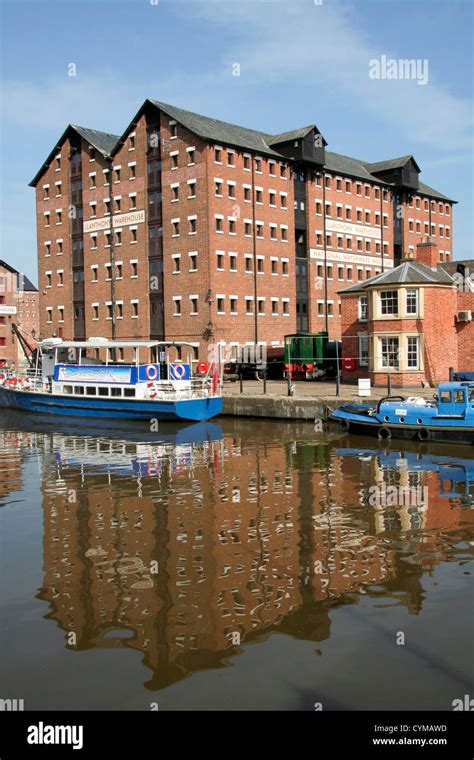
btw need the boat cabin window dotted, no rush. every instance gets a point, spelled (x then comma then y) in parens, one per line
(103, 391)
(91, 390)
(67, 388)
(129, 392)
(445, 397)
(459, 397)
(115, 391)
(471, 395)
(78, 390)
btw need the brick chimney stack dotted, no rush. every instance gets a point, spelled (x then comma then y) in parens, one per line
(427, 253)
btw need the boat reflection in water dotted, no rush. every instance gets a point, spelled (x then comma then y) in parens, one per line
(188, 546)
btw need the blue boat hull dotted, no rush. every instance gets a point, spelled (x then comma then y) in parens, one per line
(197, 410)
(354, 418)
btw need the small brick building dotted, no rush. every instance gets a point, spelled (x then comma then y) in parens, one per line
(412, 322)
(19, 306)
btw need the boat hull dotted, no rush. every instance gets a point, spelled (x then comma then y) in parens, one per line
(198, 409)
(353, 422)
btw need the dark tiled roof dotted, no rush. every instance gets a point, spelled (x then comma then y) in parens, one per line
(431, 193)
(352, 167)
(223, 132)
(391, 163)
(22, 281)
(219, 131)
(295, 134)
(102, 141)
(409, 273)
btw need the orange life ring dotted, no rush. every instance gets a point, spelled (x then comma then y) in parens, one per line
(202, 368)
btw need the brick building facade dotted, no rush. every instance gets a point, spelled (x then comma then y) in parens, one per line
(189, 228)
(413, 323)
(18, 306)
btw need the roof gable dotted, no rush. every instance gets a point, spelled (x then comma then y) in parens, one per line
(104, 142)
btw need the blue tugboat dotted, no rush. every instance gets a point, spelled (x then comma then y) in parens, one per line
(64, 380)
(448, 417)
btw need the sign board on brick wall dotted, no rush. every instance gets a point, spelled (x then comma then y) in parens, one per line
(346, 228)
(350, 258)
(119, 220)
(4, 309)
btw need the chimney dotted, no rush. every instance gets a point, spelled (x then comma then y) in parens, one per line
(427, 253)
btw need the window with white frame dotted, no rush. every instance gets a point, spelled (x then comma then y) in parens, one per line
(389, 303)
(389, 352)
(363, 308)
(413, 359)
(412, 301)
(193, 257)
(363, 350)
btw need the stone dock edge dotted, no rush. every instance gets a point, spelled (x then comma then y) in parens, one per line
(281, 408)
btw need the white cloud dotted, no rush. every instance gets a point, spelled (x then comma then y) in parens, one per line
(326, 48)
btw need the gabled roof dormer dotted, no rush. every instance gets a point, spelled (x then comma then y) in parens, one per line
(402, 173)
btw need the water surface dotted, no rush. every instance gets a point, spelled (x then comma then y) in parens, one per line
(236, 565)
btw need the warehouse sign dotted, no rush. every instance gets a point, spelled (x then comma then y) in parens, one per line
(350, 258)
(346, 228)
(119, 220)
(7, 309)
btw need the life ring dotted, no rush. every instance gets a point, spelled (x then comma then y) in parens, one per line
(384, 434)
(202, 368)
(151, 372)
(423, 434)
(178, 370)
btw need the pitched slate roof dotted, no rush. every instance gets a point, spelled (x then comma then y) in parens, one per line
(295, 134)
(22, 281)
(432, 193)
(254, 140)
(352, 167)
(219, 131)
(391, 163)
(407, 273)
(104, 142)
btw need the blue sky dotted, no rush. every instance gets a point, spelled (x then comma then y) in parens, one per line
(300, 63)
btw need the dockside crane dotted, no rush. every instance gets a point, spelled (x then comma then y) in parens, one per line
(29, 351)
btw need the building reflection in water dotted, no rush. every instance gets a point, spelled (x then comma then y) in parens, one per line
(185, 550)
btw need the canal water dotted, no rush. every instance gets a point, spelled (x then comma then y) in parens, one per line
(232, 565)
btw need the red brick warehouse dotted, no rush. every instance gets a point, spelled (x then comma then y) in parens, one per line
(190, 228)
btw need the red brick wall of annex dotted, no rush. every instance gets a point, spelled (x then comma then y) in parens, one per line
(465, 332)
(439, 326)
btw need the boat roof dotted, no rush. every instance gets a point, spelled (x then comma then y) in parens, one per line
(457, 384)
(105, 343)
